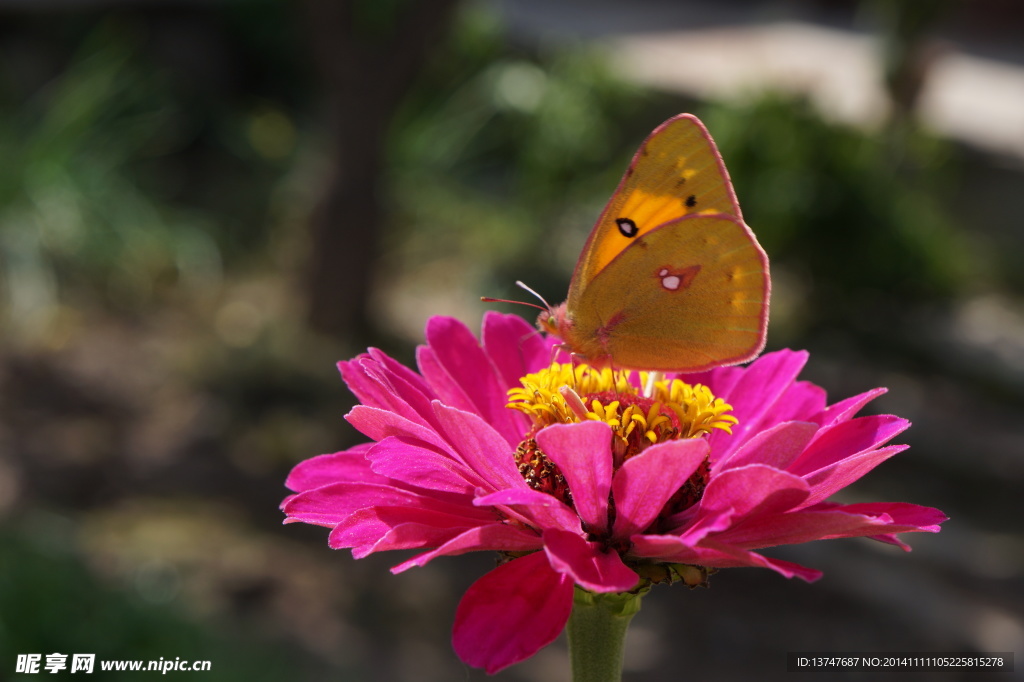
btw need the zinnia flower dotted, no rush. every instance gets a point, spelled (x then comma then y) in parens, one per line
(580, 477)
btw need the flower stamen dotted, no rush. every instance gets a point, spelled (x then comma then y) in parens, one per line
(674, 409)
(573, 400)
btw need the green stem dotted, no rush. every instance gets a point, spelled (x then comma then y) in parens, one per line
(597, 633)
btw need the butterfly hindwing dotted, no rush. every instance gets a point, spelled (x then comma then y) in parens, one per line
(687, 295)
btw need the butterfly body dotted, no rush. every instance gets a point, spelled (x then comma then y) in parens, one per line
(670, 279)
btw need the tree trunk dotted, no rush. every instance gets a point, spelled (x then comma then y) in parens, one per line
(368, 54)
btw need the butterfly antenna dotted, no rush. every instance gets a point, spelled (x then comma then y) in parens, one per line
(523, 286)
(488, 299)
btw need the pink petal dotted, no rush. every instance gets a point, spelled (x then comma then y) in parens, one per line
(382, 528)
(891, 539)
(721, 380)
(664, 546)
(720, 555)
(538, 509)
(802, 401)
(912, 517)
(511, 613)
(377, 424)
(901, 513)
(441, 383)
(753, 489)
(833, 443)
(645, 482)
(373, 385)
(587, 563)
(497, 537)
(695, 524)
(583, 454)
(465, 362)
(407, 386)
(331, 504)
(730, 556)
(754, 397)
(828, 480)
(366, 390)
(408, 377)
(845, 409)
(515, 347)
(777, 447)
(801, 526)
(658, 546)
(481, 447)
(348, 465)
(403, 460)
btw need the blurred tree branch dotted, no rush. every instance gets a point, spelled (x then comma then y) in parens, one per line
(909, 49)
(368, 54)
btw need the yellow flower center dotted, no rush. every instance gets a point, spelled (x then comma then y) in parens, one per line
(568, 394)
(564, 394)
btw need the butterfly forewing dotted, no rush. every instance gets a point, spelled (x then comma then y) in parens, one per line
(676, 172)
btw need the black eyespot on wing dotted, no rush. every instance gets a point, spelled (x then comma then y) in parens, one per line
(691, 201)
(627, 228)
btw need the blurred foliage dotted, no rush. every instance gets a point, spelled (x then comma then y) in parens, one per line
(504, 160)
(50, 602)
(907, 30)
(124, 178)
(99, 199)
(858, 216)
(70, 215)
(499, 150)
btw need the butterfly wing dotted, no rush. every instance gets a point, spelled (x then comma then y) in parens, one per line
(676, 172)
(688, 295)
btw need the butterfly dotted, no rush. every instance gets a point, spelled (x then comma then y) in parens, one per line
(671, 279)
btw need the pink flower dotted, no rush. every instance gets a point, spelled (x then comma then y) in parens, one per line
(605, 489)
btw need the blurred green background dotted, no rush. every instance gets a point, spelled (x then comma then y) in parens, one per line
(204, 205)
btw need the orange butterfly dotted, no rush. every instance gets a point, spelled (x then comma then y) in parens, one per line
(670, 279)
